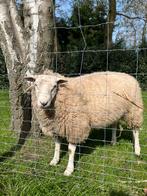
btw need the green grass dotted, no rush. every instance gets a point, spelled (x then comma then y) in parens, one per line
(99, 169)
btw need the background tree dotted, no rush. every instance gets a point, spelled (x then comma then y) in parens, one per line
(131, 20)
(26, 36)
(99, 25)
(111, 18)
(82, 31)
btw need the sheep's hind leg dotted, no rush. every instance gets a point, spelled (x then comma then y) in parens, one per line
(56, 157)
(70, 166)
(136, 142)
(114, 130)
(113, 142)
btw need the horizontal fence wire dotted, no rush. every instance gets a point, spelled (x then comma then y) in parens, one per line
(97, 161)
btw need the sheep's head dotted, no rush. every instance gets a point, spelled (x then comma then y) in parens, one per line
(46, 87)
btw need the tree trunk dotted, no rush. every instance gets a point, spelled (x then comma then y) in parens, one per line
(40, 33)
(27, 47)
(110, 23)
(14, 62)
(38, 22)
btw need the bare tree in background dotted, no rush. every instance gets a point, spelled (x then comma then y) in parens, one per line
(110, 22)
(144, 32)
(132, 20)
(128, 16)
(26, 43)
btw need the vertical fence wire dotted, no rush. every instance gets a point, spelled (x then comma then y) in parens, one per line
(104, 155)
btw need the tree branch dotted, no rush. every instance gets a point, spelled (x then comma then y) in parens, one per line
(130, 17)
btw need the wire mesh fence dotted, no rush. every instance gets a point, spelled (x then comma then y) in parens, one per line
(99, 166)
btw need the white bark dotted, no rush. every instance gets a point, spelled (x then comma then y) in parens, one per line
(38, 19)
(6, 35)
(17, 28)
(31, 24)
(23, 46)
(32, 41)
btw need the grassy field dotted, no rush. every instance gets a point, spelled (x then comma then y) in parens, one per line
(99, 169)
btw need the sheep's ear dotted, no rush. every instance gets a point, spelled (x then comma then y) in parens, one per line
(30, 78)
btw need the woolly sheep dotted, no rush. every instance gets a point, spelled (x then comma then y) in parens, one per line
(70, 107)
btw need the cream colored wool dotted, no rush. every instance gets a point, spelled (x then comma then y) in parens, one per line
(91, 101)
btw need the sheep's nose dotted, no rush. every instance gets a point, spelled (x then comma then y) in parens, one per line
(43, 103)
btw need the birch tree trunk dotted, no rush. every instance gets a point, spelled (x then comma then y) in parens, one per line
(38, 21)
(10, 38)
(27, 47)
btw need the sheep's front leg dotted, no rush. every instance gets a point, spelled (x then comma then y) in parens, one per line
(136, 141)
(70, 166)
(56, 157)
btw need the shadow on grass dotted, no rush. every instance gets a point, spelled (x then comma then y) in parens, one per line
(101, 138)
(25, 127)
(15, 148)
(97, 138)
(118, 193)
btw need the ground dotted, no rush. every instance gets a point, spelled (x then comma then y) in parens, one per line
(100, 169)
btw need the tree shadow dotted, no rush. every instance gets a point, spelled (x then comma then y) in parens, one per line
(25, 128)
(126, 135)
(15, 148)
(118, 193)
(97, 138)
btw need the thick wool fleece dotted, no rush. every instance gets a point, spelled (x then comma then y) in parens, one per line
(91, 101)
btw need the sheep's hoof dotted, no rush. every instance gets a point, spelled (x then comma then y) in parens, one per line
(54, 162)
(137, 155)
(68, 172)
(113, 143)
(137, 152)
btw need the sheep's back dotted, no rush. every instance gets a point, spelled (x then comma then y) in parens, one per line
(102, 96)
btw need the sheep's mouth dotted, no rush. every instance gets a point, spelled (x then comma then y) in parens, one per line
(49, 104)
(44, 105)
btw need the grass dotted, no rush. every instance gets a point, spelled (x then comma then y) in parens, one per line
(99, 169)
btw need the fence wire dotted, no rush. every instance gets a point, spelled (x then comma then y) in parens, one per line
(96, 160)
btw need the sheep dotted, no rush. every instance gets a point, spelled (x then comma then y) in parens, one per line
(69, 107)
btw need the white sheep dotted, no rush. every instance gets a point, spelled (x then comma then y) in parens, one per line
(70, 107)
